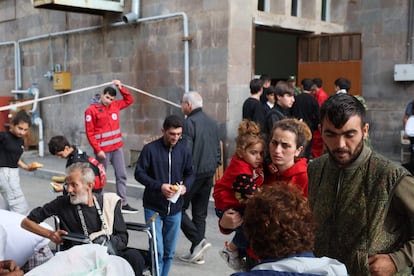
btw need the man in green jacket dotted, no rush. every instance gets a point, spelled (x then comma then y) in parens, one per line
(363, 203)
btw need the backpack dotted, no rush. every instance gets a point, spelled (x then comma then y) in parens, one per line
(100, 174)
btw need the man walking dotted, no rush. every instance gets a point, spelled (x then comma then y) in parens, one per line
(363, 202)
(201, 135)
(103, 131)
(165, 168)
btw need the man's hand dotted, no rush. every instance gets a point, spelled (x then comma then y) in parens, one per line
(168, 190)
(56, 236)
(9, 268)
(231, 219)
(101, 155)
(381, 265)
(117, 83)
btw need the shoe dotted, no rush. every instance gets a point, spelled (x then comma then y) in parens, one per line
(199, 250)
(231, 258)
(187, 258)
(126, 209)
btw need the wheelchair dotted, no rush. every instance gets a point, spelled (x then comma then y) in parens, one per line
(148, 228)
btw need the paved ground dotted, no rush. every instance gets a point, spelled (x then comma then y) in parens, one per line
(38, 191)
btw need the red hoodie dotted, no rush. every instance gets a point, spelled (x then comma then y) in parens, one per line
(297, 174)
(224, 195)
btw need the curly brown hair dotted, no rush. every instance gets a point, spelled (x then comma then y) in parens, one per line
(278, 222)
(249, 135)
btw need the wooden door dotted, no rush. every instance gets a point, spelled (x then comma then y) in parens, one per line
(331, 56)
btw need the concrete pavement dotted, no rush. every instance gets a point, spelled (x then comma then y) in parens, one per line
(37, 190)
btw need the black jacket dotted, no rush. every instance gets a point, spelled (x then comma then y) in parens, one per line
(158, 164)
(201, 136)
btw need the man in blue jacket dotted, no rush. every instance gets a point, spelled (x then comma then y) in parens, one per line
(164, 167)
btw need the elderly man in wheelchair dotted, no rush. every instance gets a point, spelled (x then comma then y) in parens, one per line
(96, 217)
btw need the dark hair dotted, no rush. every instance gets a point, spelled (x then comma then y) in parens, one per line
(110, 90)
(265, 78)
(57, 143)
(22, 116)
(343, 83)
(271, 90)
(172, 121)
(283, 88)
(340, 107)
(255, 86)
(278, 222)
(317, 82)
(307, 84)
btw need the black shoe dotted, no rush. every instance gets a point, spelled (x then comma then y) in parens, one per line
(126, 209)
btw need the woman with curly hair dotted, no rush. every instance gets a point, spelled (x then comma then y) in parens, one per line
(287, 142)
(280, 227)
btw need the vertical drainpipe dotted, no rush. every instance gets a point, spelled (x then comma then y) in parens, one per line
(410, 37)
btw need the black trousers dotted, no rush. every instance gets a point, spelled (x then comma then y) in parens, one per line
(198, 196)
(134, 258)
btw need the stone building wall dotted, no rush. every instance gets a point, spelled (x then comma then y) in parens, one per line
(384, 26)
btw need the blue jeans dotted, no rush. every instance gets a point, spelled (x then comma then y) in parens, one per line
(167, 229)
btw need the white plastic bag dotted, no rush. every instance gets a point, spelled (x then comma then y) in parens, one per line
(85, 260)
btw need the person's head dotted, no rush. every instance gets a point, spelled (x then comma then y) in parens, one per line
(291, 81)
(108, 95)
(307, 84)
(80, 179)
(317, 84)
(267, 80)
(278, 222)
(20, 124)
(190, 101)
(287, 141)
(172, 128)
(256, 86)
(284, 94)
(59, 146)
(250, 144)
(343, 128)
(342, 83)
(270, 94)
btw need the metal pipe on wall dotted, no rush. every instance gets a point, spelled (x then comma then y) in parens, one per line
(117, 24)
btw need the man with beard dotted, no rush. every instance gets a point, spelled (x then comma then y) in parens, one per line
(82, 212)
(363, 203)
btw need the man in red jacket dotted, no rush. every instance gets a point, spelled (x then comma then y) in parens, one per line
(103, 131)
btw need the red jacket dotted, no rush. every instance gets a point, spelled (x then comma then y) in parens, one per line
(297, 174)
(224, 195)
(102, 123)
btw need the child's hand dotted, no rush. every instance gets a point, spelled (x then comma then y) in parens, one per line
(272, 168)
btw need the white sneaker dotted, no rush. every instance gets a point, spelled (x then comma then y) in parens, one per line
(231, 258)
(199, 250)
(187, 258)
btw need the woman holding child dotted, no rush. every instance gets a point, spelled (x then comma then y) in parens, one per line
(287, 141)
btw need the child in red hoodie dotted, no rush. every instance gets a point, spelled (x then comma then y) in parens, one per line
(240, 180)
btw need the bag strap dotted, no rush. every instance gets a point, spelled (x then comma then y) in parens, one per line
(82, 218)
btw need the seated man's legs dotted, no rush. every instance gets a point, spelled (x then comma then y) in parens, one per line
(134, 258)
